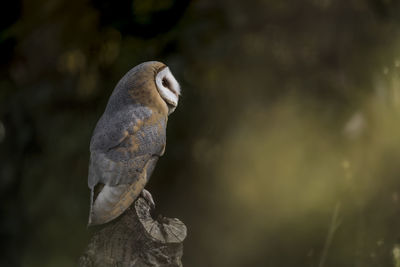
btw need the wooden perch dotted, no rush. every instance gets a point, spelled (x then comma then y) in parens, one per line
(136, 239)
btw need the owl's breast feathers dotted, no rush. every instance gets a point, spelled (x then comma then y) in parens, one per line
(124, 149)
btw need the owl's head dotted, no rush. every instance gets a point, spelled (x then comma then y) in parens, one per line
(150, 84)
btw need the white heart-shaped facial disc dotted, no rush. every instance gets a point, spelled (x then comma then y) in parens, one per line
(168, 87)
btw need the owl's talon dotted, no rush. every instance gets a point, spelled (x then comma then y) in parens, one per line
(146, 195)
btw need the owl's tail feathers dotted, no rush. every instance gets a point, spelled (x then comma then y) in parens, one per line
(108, 202)
(94, 193)
(91, 208)
(112, 201)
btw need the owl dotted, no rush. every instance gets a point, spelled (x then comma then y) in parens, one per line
(129, 138)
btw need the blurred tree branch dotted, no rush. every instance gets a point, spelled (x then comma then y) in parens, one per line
(335, 223)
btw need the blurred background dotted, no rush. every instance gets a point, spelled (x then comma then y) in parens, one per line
(284, 150)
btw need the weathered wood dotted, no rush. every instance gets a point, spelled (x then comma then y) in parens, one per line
(136, 239)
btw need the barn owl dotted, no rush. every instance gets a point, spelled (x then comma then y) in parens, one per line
(129, 138)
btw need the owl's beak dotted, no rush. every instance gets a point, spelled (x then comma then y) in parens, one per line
(171, 109)
(171, 106)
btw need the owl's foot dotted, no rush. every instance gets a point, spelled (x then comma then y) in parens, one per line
(146, 195)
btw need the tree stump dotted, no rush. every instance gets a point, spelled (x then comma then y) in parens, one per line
(136, 239)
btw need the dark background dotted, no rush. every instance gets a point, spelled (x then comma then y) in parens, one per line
(287, 127)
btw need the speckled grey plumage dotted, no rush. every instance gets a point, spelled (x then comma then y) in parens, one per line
(107, 139)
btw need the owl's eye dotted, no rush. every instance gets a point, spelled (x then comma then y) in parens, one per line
(166, 83)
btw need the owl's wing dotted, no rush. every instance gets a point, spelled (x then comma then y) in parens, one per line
(125, 148)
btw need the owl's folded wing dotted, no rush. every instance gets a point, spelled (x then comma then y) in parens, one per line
(112, 200)
(119, 171)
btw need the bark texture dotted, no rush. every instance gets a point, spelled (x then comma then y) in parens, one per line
(136, 239)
